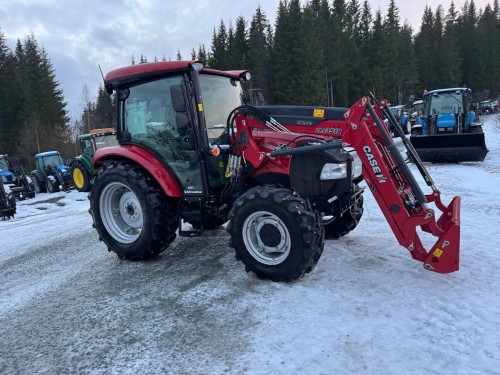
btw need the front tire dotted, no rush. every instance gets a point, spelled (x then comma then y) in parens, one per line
(52, 187)
(275, 233)
(81, 177)
(407, 127)
(131, 213)
(347, 222)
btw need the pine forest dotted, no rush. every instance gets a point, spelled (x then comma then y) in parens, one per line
(319, 52)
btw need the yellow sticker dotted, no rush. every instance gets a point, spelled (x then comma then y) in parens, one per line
(319, 113)
(438, 252)
(200, 107)
(221, 164)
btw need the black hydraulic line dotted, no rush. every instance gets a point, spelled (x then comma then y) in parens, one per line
(393, 149)
(409, 147)
(306, 149)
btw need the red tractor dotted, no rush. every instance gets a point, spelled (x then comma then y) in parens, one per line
(192, 150)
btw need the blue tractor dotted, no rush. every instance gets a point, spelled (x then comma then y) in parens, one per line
(401, 114)
(13, 176)
(51, 174)
(449, 130)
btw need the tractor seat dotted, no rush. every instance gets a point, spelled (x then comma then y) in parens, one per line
(446, 120)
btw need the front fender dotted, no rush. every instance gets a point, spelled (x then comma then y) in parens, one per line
(143, 158)
(83, 160)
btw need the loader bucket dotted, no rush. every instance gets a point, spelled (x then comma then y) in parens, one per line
(450, 148)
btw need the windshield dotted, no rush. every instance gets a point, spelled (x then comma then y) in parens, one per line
(446, 102)
(3, 164)
(105, 141)
(54, 160)
(220, 96)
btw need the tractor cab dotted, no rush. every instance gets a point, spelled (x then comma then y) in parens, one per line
(157, 116)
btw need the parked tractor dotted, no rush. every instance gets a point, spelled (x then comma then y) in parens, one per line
(487, 107)
(448, 130)
(51, 174)
(81, 166)
(192, 150)
(416, 111)
(13, 176)
(403, 120)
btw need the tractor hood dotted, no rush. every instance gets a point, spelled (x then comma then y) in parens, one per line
(6, 176)
(63, 169)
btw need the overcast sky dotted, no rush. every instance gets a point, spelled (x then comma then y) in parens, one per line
(80, 35)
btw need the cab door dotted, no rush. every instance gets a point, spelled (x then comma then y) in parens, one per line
(149, 116)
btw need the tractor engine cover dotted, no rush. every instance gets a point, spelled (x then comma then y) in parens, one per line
(305, 172)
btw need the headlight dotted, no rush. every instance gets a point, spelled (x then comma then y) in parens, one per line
(333, 171)
(357, 168)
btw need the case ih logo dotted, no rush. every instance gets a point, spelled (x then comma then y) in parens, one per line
(373, 162)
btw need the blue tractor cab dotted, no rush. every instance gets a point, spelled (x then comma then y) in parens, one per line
(448, 130)
(51, 174)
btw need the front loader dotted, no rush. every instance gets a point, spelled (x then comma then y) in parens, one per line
(192, 150)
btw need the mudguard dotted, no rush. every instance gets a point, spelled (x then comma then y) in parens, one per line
(143, 158)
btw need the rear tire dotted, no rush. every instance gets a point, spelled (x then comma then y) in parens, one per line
(81, 177)
(275, 233)
(131, 213)
(38, 185)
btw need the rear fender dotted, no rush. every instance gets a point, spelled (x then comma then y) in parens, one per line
(145, 159)
(39, 175)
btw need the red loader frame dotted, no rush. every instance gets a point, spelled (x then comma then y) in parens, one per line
(387, 175)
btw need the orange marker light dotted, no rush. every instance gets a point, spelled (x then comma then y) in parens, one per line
(215, 151)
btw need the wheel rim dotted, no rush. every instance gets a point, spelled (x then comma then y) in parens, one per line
(78, 178)
(266, 238)
(121, 212)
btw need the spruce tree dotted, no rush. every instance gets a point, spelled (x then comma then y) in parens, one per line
(259, 50)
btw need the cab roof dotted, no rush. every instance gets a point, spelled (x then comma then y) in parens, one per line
(131, 74)
(463, 89)
(47, 153)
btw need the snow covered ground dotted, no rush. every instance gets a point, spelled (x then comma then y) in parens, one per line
(67, 306)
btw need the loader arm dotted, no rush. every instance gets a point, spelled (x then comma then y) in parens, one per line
(403, 204)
